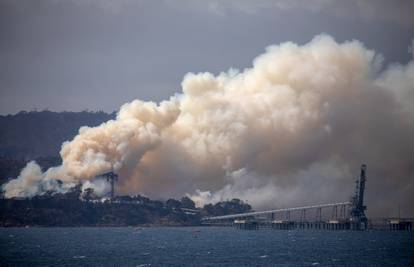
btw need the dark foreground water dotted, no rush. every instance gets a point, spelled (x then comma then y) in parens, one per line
(210, 246)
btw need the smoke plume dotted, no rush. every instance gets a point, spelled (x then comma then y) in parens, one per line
(291, 130)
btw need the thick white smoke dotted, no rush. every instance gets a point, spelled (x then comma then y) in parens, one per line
(99, 186)
(293, 128)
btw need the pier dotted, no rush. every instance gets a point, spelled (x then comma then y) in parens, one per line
(348, 215)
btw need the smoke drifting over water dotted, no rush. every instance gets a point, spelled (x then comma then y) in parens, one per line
(293, 129)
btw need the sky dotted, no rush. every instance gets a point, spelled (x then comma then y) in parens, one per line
(98, 54)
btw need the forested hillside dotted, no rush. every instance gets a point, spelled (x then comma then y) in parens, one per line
(38, 136)
(30, 135)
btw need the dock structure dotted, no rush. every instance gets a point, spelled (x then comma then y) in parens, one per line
(246, 224)
(348, 215)
(289, 218)
(400, 225)
(391, 224)
(358, 220)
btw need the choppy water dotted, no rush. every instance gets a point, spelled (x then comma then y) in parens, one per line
(212, 246)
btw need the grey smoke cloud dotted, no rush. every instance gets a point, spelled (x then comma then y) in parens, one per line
(373, 10)
(292, 129)
(398, 11)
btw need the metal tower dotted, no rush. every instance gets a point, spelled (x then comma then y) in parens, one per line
(111, 178)
(358, 218)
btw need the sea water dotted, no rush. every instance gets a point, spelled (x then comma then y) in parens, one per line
(202, 246)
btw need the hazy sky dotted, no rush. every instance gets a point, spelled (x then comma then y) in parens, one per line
(96, 55)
